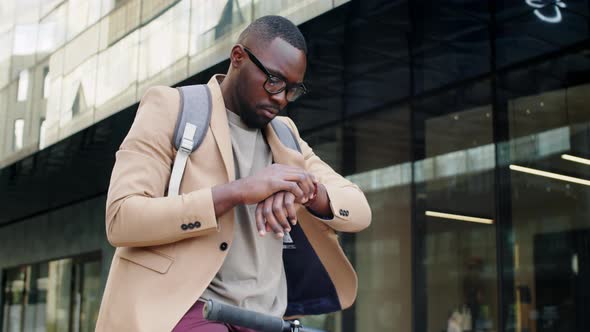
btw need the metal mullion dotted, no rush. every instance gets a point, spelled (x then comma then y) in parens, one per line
(502, 195)
(417, 301)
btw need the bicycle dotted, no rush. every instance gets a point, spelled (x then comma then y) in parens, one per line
(229, 314)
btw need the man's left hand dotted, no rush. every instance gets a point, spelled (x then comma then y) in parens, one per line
(277, 213)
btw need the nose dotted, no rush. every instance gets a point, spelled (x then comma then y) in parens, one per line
(280, 99)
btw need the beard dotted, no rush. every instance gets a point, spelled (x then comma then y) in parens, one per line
(251, 118)
(252, 115)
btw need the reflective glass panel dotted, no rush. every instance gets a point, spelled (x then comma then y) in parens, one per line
(14, 298)
(454, 218)
(548, 196)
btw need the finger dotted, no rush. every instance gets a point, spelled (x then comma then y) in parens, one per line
(309, 180)
(306, 186)
(291, 187)
(279, 212)
(315, 179)
(270, 218)
(289, 202)
(260, 225)
(304, 179)
(311, 184)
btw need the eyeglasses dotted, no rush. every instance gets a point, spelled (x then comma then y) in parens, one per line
(275, 85)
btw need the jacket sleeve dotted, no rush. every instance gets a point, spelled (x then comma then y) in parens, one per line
(349, 205)
(137, 211)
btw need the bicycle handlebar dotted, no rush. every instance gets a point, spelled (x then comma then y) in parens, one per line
(250, 319)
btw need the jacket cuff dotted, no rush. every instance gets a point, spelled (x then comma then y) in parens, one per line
(350, 209)
(200, 212)
(339, 213)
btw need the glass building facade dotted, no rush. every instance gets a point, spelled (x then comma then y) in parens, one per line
(59, 295)
(465, 122)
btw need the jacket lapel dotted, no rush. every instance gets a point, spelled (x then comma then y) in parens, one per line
(220, 127)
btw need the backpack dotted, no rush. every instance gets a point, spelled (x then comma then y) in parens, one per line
(310, 290)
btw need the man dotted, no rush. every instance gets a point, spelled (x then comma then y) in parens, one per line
(241, 194)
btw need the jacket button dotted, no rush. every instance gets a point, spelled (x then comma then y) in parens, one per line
(197, 224)
(184, 227)
(191, 225)
(223, 246)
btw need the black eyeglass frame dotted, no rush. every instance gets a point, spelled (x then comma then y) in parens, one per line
(289, 87)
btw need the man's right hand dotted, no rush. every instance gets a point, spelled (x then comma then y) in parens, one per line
(275, 178)
(258, 187)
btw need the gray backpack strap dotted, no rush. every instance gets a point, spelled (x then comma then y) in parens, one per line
(285, 134)
(191, 127)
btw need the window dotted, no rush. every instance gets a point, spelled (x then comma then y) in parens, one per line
(60, 295)
(14, 293)
(19, 127)
(45, 82)
(87, 295)
(42, 130)
(76, 105)
(23, 85)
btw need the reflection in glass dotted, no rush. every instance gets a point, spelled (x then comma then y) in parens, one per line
(36, 307)
(213, 20)
(382, 260)
(46, 82)
(117, 68)
(87, 12)
(382, 253)
(14, 298)
(525, 31)
(163, 41)
(19, 127)
(88, 295)
(79, 88)
(124, 19)
(455, 193)
(25, 37)
(452, 42)
(56, 296)
(76, 103)
(152, 8)
(52, 31)
(59, 295)
(549, 197)
(23, 85)
(42, 133)
(5, 57)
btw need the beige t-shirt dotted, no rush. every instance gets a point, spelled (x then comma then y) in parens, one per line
(252, 275)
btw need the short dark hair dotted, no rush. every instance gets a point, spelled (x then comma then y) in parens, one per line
(267, 28)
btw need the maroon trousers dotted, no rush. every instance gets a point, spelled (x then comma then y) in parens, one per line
(193, 321)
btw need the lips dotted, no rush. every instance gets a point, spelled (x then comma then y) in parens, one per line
(269, 112)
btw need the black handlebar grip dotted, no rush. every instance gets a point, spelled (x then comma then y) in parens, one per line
(236, 316)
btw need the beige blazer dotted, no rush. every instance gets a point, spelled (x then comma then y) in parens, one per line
(170, 248)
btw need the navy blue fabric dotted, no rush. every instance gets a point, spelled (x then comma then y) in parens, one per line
(310, 290)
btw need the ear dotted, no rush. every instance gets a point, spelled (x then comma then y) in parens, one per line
(237, 56)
